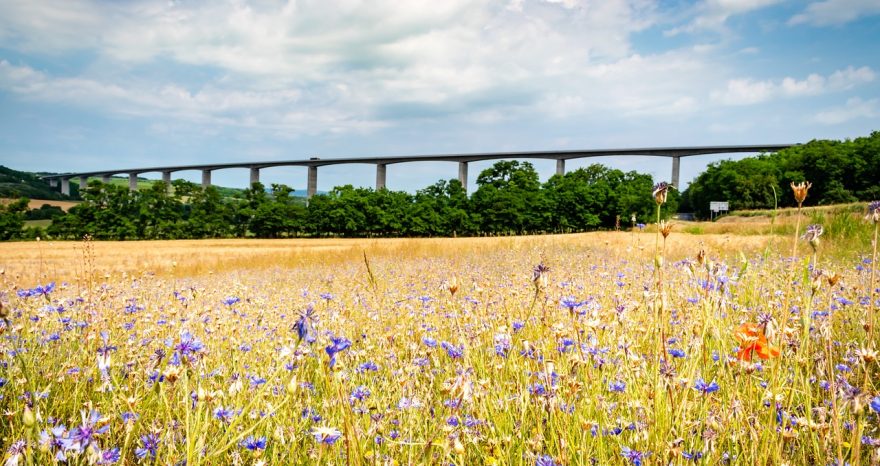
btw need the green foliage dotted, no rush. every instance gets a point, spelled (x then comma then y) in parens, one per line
(840, 172)
(12, 219)
(509, 200)
(15, 184)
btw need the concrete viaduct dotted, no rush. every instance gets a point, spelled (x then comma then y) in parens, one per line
(381, 163)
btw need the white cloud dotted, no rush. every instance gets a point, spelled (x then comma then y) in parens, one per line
(713, 14)
(835, 12)
(855, 108)
(746, 91)
(300, 65)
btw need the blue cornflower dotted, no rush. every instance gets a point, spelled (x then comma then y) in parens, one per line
(429, 342)
(82, 436)
(149, 446)
(677, 353)
(634, 456)
(705, 388)
(224, 414)
(251, 443)
(453, 351)
(327, 435)
(695, 456)
(517, 326)
(360, 393)
(875, 404)
(108, 456)
(538, 389)
(337, 345)
(305, 325)
(570, 303)
(617, 386)
(231, 300)
(189, 346)
(367, 366)
(545, 460)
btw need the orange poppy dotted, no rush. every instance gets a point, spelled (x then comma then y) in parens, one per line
(752, 340)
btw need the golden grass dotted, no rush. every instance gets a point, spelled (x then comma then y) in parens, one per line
(26, 263)
(37, 203)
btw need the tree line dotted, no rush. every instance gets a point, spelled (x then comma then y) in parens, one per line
(509, 199)
(840, 172)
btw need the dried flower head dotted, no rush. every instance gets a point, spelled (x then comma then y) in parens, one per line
(812, 235)
(665, 228)
(452, 286)
(873, 212)
(800, 190)
(661, 189)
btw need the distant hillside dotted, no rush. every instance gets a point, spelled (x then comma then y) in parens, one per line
(14, 184)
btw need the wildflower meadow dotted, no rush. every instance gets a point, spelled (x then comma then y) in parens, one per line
(650, 346)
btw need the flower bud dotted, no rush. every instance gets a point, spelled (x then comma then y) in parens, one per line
(28, 416)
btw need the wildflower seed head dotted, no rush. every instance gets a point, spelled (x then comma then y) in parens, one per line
(800, 190)
(665, 228)
(660, 192)
(812, 235)
(867, 355)
(873, 212)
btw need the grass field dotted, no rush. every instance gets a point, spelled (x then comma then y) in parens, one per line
(599, 348)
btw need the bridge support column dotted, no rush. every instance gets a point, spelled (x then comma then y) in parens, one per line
(166, 179)
(255, 176)
(380, 175)
(463, 175)
(53, 182)
(676, 169)
(105, 179)
(312, 186)
(65, 186)
(206, 178)
(560, 167)
(133, 181)
(83, 182)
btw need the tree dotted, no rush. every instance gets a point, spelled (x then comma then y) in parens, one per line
(12, 219)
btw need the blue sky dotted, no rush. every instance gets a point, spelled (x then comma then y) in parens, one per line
(99, 84)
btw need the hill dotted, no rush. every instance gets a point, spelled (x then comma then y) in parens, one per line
(15, 184)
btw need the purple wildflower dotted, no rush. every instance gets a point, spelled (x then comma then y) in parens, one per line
(252, 443)
(706, 388)
(337, 345)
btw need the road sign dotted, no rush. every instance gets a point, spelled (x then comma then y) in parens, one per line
(719, 206)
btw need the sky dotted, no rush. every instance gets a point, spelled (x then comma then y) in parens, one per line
(100, 84)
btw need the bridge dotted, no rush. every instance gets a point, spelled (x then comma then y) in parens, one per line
(381, 163)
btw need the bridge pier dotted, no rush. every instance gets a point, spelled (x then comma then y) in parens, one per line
(560, 167)
(380, 175)
(105, 179)
(255, 175)
(312, 186)
(463, 174)
(53, 182)
(676, 169)
(133, 181)
(166, 178)
(83, 182)
(65, 186)
(206, 178)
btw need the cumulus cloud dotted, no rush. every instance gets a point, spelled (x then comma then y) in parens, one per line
(746, 91)
(854, 108)
(299, 65)
(713, 14)
(835, 12)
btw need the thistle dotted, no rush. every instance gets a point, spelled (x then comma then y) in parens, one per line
(800, 191)
(660, 192)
